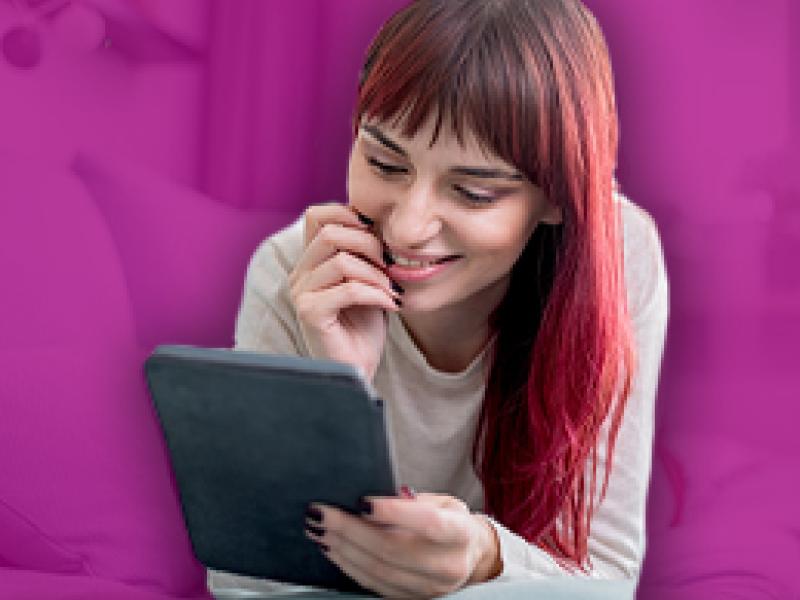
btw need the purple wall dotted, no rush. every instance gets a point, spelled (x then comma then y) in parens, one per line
(225, 119)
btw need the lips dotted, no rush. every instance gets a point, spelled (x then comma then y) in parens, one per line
(446, 259)
(389, 259)
(412, 274)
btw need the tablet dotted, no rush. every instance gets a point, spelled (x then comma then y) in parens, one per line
(253, 439)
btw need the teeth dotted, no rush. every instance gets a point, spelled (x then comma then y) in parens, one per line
(410, 263)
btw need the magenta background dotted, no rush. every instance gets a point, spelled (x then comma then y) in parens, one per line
(139, 172)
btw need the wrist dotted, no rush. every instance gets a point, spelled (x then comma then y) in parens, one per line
(490, 563)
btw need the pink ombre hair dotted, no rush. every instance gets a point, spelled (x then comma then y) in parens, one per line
(532, 80)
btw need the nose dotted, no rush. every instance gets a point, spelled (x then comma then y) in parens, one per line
(412, 219)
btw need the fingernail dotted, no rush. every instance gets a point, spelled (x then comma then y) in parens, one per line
(364, 507)
(387, 258)
(318, 531)
(398, 301)
(365, 219)
(314, 514)
(408, 492)
(396, 287)
(324, 547)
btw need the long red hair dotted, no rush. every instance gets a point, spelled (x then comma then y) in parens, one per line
(532, 80)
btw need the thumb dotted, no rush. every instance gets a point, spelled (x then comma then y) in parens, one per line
(442, 500)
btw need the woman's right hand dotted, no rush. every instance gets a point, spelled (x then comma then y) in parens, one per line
(339, 290)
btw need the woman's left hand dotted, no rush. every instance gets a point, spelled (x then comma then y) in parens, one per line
(410, 548)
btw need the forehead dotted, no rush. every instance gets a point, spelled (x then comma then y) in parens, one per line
(447, 144)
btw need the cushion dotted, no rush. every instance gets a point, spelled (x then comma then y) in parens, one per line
(26, 546)
(31, 585)
(183, 254)
(733, 523)
(84, 465)
(58, 259)
(85, 485)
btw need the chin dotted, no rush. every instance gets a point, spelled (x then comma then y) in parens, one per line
(426, 301)
(416, 303)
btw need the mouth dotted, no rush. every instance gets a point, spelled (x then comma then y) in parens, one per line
(407, 271)
(391, 259)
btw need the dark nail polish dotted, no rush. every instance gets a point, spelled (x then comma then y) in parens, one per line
(364, 507)
(314, 514)
(319, 531)
(365, 219)
(387, 258)
(408, 492)
(323, 547)
(396, 287)
(398, 301)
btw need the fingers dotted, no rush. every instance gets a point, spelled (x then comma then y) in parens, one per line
(342, 267)
(442, 500)
(366, 566)
(332, 226)
(365, 577)
(441, 520)
(330, 213)
(332, 238)
(397, 557)
(337, 270)
(374, 541)
(389, 581)
(323, 305)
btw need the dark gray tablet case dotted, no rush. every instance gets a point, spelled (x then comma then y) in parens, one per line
(253, 439)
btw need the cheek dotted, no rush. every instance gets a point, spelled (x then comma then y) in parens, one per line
(500, 238)
(362, 187)
(352, 180)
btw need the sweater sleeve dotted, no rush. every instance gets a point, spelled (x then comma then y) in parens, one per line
(266, 320)
(617, 533)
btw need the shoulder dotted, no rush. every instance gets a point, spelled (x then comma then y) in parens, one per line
(272, 262)
(278, 253)
(266, 319)
(645, 270)
(270, 265)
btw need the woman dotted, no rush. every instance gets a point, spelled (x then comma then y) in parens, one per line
(506, 302)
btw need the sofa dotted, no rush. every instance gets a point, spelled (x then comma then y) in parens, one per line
(102, 260)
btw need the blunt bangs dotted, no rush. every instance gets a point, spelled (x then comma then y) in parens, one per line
(462, 67)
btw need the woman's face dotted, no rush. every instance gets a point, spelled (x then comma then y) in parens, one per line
(443, 202)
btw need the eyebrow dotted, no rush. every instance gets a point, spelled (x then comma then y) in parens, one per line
(481, 172)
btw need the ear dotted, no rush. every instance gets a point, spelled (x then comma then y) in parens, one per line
(552, 214)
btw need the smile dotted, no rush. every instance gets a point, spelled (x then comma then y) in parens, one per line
(404, 270)
(417, 263)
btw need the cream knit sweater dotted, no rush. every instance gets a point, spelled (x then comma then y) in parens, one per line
(432, 414)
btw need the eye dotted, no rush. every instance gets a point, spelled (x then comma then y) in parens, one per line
(473, 197)
(385, 168)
